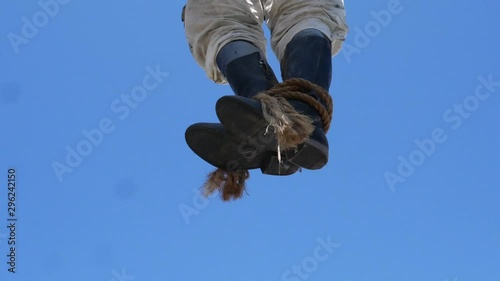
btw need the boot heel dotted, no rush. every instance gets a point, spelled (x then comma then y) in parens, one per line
(312, 155)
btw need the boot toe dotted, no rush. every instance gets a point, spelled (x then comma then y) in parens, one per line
(208, 142)
(214, 144)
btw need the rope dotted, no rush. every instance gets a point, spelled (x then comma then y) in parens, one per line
(229, 183)
(296, 89)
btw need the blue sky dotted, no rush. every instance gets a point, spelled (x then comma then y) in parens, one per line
(410, 192)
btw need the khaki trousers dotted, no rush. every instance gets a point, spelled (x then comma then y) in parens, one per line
(211, 24)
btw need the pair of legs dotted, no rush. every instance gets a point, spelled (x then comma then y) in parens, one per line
(227, 40)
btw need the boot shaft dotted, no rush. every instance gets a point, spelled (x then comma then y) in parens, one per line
(245, 69)
(309, 56)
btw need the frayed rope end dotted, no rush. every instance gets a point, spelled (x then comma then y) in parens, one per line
(291, 127)
(231, 185)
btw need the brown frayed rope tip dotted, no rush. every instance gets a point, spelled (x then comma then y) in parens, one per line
(230, 184)
(291, 128)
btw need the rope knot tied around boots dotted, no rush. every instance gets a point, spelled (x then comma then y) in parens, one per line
(290, 127)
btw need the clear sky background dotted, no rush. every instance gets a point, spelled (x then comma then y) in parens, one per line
(390, 210)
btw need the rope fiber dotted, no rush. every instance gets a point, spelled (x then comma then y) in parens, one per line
(297, 89)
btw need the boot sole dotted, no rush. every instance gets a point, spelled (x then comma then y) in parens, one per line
(223, 150)
(243, 117)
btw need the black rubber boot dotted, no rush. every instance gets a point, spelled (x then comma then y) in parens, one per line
(307, 56)
(248, 74)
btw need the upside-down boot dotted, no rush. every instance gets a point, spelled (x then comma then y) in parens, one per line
(308, 57)
(248, 74)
